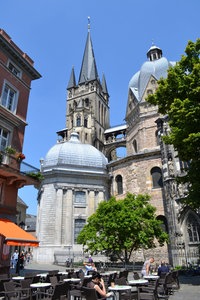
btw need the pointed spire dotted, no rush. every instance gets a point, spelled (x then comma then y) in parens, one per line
(88, 69)
(72, 80)
(104, 85)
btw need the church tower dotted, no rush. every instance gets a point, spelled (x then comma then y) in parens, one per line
(88, 101)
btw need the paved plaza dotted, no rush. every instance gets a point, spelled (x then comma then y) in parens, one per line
(189, 285)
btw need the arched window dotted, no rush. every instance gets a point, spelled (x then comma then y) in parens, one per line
(156, 175)
(193, 228)
(119, 182)
(85, 122)
(86, 102)
(78, 226)
(135, 146)
(78, 121)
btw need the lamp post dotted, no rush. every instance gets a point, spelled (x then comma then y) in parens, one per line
(21, 225)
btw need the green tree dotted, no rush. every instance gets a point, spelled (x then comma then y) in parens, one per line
(178, 96)
(121, 226)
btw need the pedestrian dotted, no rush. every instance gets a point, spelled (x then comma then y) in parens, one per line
(15, 258)
(89, 267)
(146, 269)
(90, 260)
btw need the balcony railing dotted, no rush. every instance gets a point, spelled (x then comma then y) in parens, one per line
(17, 165)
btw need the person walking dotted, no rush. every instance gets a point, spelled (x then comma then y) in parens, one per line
(15, 258)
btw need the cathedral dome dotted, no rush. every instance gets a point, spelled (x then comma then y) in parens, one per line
(74, 155)
(156, 66)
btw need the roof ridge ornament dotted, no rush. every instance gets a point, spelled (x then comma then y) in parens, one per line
(88, 23)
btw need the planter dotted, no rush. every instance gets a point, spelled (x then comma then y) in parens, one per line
(6, 159)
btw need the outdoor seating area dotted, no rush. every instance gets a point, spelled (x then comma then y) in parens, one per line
(55, 284)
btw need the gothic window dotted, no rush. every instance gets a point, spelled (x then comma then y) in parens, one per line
(78, 121)
(156, 175)
(85, 122)
(193, 228)
(86, 102)
(80, 197)
(78, 226)
(135, 146)
(86, 136)
(4, 137)
(119, 182)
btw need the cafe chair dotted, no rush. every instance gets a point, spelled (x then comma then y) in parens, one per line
(89, 293)
(145, 295)
(12, 292)
(60, 291)
(53, 280)
(136, 276)
(125, 295)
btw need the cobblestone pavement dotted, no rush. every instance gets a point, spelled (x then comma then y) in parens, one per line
(189, 285)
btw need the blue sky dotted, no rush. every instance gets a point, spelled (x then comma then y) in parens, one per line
(53, 33)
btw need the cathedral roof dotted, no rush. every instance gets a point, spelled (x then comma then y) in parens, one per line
(156, 66)
(73, 155)
(88, 69)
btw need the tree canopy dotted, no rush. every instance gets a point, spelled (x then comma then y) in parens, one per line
(178, 96)
(122, 226)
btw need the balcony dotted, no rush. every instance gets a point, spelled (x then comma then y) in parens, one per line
(14, 171)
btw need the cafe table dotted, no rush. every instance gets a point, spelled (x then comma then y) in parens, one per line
(74, 280)
(42, 275)
(18, 278)
(136, 282)
(119, 288)
(40, 286)
(151, 277)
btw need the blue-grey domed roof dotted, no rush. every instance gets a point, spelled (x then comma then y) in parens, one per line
(73, 154)
(156, 67)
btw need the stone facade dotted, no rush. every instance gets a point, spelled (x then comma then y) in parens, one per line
(148, 167)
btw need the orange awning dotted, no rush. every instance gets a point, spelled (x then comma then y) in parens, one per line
(15, 236)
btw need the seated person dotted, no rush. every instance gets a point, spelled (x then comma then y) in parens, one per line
(89, 267)
(97, 283)
(163, 268)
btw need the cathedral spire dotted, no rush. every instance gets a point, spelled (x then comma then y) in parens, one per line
(72, 80)
(88, 68)
(104, 85)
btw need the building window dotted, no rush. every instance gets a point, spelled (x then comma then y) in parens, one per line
(119, 182)
(156, 177)
(149, 92)
(80, 197)
(78, 121)
(153, 81)
(193, 228)
(86, 102)
(4, 137)
(9, 98)
(85, 122)
(78, 226)
(135, 146)
(13, 68)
